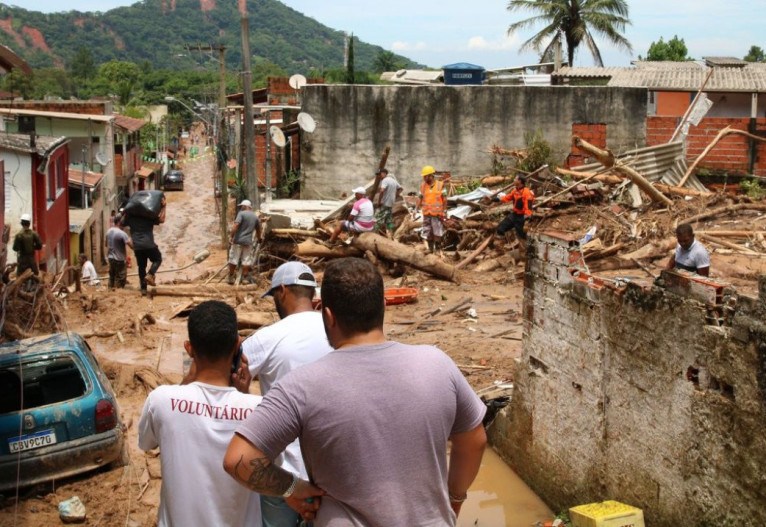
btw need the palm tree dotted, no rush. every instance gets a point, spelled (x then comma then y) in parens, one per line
(572, 22)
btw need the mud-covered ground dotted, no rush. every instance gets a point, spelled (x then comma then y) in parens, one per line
(485, 342)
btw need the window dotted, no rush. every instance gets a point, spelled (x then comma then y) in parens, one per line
(40, 382)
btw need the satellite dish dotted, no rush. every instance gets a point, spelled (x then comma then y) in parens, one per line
(277, 136)
(101, 160)
(306, 122)
(297, 81)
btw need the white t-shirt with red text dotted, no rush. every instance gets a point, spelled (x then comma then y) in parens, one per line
(192, 425)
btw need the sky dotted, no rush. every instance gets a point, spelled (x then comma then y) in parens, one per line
(440, 32)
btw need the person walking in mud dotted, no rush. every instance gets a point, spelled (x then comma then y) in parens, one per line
(242, 245)
(144, 246)
(117, 243)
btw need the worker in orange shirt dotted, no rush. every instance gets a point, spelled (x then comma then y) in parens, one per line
(522, 199)
(432, 200)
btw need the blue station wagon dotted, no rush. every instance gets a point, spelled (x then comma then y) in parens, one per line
(58, 412)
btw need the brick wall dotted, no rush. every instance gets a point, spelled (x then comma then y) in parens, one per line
(731, 154)
(650, 394)
(594, 133)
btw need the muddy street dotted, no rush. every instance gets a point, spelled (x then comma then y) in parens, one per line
(138, 355)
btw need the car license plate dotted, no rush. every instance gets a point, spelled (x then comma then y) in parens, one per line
(31, 441)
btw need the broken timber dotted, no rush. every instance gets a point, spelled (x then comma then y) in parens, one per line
(606, 158)
(393, 251)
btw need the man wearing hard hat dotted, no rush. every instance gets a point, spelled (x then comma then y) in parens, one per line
(25, 244)
(432, 200)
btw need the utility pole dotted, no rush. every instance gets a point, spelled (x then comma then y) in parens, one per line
(247, 75)
(221, 140)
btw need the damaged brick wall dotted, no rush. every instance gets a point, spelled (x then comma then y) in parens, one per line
(651, 394)
(731, 154)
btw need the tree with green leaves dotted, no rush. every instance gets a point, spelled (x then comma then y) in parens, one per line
(572, 23)
(674, 50)
(386, 61)
(83, 67)
(120, 78)
(350, 61)
(755, 54)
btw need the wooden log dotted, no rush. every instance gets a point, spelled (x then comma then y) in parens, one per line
(383, 159)
(312, 248)
(491, 181)
(255, 319)
(722, 210)
(397, 252)
(293, 232)
(339, 212)
(652, 251)
(471, 257)
(487, 266)
(606, 158)
(724, 243)
(732, 234)
(603, 253)
(406, 226)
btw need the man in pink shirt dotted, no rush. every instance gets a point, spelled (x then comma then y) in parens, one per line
(360, 219)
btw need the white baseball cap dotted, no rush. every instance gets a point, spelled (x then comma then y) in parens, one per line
(26, 217)
(290, 274)
(359, 190)
(246, 203)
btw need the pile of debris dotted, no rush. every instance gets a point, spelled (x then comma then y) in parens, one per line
(28, 308)
(624, 208)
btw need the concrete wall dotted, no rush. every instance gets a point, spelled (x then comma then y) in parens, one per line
(449, 127)
(654, 395)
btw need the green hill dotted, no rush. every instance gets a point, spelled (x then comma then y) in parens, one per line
(152, 32)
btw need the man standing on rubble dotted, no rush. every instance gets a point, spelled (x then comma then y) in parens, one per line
(25, 244)
(274, 351)
(241, 239)
(432, 201)
(522, 199)
(388, 190)
(690, 254)
(360, 219)
(373, 417)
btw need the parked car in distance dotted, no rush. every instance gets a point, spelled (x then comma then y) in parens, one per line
(173, 180)
(58, 412)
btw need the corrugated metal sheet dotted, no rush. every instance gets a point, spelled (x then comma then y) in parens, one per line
(664, 163)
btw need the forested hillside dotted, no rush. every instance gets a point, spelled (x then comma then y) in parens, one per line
(158, 31)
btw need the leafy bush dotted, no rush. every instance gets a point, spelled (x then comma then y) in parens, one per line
(752, 188)
(539, 152)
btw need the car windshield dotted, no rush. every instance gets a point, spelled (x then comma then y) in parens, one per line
(39, 382)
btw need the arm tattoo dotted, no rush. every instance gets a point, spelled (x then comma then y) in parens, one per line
(264, 477)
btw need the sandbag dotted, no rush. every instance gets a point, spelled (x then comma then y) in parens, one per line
(145, 203)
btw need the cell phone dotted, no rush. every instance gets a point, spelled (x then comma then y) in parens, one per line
(237, 358)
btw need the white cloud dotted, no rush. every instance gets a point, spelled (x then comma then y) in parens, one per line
(500, 44)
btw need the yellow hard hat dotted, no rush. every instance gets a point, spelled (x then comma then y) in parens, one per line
(427, 171)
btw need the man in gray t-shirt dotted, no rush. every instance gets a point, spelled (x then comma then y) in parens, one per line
(388, 190)
(117, 242)
(241, 238)
(373, 418)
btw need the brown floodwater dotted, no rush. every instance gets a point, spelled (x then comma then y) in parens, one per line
(499, 498)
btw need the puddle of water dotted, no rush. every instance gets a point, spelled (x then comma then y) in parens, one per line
(499, 498)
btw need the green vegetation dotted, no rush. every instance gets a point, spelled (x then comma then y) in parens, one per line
(674, 50)
(149, 31)
(539, 152)
(755, 54)
(752, 188)
(572, 23)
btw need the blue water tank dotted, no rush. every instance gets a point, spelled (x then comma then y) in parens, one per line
(463, 73)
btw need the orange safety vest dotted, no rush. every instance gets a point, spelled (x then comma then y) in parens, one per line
(432, 202)
(522, 200)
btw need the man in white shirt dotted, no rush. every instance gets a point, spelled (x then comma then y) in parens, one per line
(272, 352)
(88, 274)
(192, 425)
(690, 254)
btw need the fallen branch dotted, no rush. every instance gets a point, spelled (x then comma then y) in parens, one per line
(721, 210)
(471, 257)
(724, 243)
(723, 133)
(606, 158)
